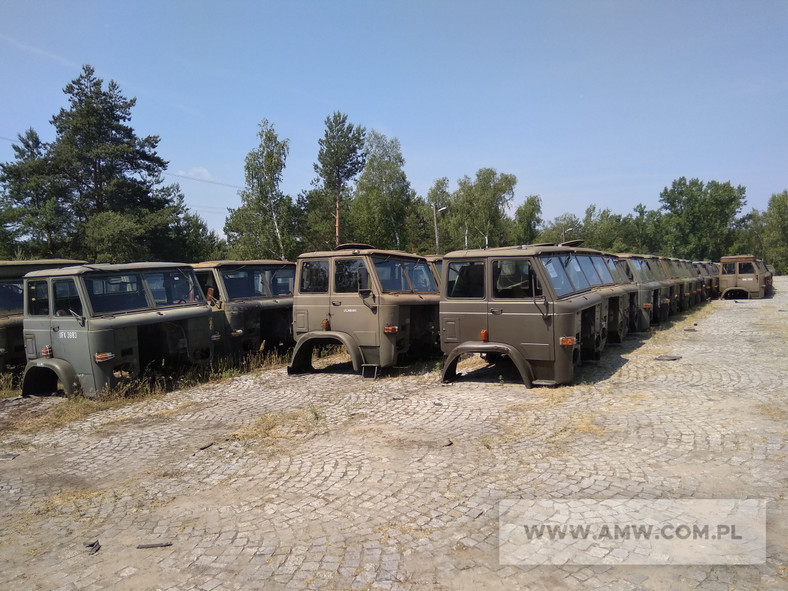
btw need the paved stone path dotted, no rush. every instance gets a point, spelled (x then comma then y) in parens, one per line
(328, 481)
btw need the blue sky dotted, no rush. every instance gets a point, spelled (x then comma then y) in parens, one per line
(585, 102)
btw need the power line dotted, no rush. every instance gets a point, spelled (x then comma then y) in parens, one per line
(191, 178)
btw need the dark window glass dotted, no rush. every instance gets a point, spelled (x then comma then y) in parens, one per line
(12, 300)
(350, 275)
(282, 281)
(67, 300)
(245, 282)
(37, 298)
(465, 279)
(314, 277)
(117, 293)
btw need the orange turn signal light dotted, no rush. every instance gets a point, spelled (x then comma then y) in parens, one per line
(47, 351)
(99, 357)
(390, 329)
(485, 336)
(326, 324)
(647, 306)
(568, 341)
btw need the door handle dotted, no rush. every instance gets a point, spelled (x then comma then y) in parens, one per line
(55, 328)
(335, 303)
(496, 311)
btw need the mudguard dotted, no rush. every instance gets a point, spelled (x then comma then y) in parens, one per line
(449, 370)
(41, 377)
(301, 361)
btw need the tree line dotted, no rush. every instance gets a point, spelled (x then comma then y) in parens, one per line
(97, 193)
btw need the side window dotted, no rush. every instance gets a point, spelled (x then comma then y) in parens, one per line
(728, 268)
(466, 279)
(514, 278)
(66, 297)
(745, 268)
(314, 277)
(37, 298)
(206, 281)
(350, 275)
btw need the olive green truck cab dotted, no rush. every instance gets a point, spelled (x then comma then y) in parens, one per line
(532, 304)
(90, 327)
(12, 345)
(379, 304)
(252, 303)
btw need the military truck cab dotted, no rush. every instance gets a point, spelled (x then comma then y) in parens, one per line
(653, 304)
(12, 300)
(89, 327)
(617, 293)
(379, 304)
(743, 277)
(252, 303)
(531, 304)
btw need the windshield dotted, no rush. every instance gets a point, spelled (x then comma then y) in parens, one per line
(656, 269)
(601, 268)
(643, 269)
(258, 281)
(574, 271)
(125, 292)
(12, 300)
(557, 274)
(420, 276)
(173, 287)
(282, 280)
(404, 275)
(115, 293)
(616, 269)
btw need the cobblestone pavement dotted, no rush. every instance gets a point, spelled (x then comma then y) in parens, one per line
(328, 481)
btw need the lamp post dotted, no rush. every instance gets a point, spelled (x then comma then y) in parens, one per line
(563, 235)
(435, 212)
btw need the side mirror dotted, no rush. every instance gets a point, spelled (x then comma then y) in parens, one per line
(209, 295)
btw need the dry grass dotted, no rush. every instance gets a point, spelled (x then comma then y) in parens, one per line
(774, 411)
(9, 385)
(149, 386)
(270, 428)
(69, 500)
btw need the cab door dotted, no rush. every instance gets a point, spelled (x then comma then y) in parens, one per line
(517, 311)
(312, 307)
(38, 341)
(68, 325)
(353, 310)
(463, 307)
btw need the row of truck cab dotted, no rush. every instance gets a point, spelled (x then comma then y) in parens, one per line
(78, 327)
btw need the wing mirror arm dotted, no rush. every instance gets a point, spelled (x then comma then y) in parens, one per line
(366, 293)
(80, 319)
